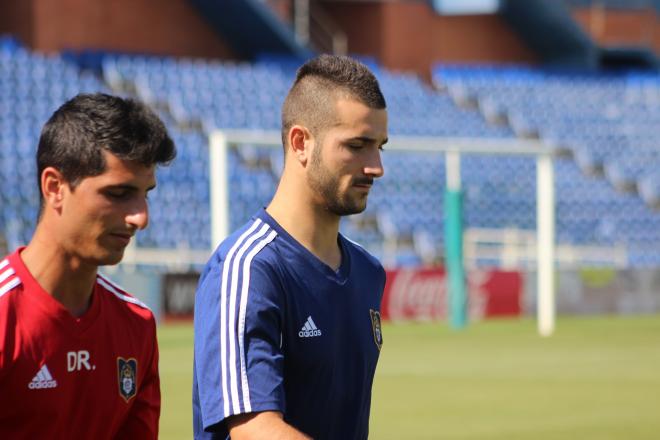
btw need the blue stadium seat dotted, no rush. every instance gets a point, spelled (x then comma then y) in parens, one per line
(608, 123)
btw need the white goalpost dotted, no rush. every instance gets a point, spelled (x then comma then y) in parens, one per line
(453, 148)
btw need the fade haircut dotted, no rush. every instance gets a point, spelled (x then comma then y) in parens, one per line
(77, 133)
(319, 82)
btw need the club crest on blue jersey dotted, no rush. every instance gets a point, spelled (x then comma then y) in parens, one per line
(127, 377)
(376, 328)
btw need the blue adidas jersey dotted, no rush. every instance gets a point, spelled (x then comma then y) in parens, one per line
(277, 329)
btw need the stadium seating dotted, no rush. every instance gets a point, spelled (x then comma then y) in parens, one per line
(200, 91)
(32, 86)
(605, 122)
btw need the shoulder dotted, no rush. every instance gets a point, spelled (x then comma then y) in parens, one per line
(9, 281)
(246, 261)
(124, 305)
(240, 278)
(362, 256)
(10, 286)
(252, 237)
(132, 323)
(247, 246)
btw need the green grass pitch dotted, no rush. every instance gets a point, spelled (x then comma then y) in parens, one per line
(596, 378)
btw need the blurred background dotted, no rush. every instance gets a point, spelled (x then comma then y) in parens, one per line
(579, 78)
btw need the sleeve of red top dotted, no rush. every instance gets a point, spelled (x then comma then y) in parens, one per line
(142, 420)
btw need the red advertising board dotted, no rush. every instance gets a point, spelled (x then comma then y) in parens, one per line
(421, 294)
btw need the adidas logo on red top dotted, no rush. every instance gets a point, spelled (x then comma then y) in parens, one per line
(309, 330)
(43, 379)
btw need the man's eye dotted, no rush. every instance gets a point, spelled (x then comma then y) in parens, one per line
(117, 194)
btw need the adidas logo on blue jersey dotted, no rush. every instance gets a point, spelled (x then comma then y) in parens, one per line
(309, 330)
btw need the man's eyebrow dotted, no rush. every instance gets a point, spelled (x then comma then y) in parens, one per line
(128, 186)
(367, 139)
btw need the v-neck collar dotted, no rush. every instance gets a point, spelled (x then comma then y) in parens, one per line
(339, 276)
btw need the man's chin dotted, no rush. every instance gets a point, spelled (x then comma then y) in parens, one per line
(111, 258)
(348, 209)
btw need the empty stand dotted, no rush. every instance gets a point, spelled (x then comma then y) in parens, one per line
(604, 124)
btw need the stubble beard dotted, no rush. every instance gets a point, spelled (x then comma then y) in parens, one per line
(326, 185)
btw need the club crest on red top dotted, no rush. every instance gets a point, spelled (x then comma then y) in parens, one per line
(127, 377)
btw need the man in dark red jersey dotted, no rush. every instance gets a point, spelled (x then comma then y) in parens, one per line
(78, 355)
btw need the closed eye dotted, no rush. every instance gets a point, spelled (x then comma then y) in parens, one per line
(118, 194)
(124, 192)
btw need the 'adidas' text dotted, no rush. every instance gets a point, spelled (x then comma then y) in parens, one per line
(43, 379)
(309, 330)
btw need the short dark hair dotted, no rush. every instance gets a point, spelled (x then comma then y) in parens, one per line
(321, 80)
(77, 133)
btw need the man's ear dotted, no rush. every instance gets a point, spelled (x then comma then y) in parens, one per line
(53, 186)
(300, 143)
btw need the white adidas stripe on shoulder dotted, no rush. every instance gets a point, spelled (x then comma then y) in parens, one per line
(223, 313)
(6, 274)
(116, 290)
(232, 319)
(241, 316)
(234, 290)
(11, 284)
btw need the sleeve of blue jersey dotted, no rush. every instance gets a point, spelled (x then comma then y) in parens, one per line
(238, 357)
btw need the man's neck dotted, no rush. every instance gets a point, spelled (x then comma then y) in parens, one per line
(63, 276)
(312, 226)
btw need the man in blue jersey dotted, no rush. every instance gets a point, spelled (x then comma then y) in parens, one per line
(287, 322)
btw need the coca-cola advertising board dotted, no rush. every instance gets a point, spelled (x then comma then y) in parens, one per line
(421, 294)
